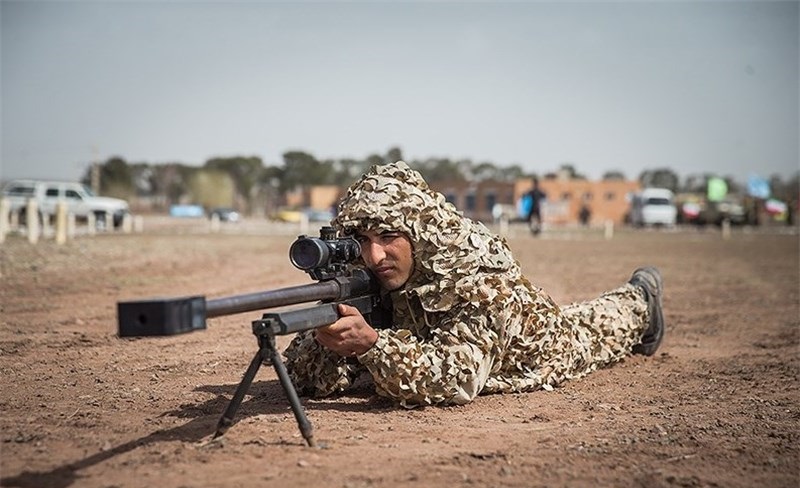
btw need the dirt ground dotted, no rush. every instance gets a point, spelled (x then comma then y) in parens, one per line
(718, 405)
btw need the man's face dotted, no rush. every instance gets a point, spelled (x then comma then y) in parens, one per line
(388, 254)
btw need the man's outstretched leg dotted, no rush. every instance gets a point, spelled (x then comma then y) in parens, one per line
(650, 281)
(626, 320)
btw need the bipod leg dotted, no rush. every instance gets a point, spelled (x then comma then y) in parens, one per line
(227, 418)
(306, 428)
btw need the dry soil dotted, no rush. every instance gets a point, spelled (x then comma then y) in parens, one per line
(716, 406)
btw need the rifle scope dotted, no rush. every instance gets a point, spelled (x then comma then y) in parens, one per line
(326, 253)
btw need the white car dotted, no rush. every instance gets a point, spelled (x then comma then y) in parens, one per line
(79, 199)
(654, 207)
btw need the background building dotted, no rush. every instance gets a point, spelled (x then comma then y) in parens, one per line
(606, 199)
(478, 199)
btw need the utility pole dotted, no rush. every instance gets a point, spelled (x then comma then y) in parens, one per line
(95, 172)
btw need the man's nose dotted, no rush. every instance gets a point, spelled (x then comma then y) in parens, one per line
(373, 253)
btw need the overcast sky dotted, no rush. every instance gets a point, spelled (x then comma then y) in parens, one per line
(628, 86)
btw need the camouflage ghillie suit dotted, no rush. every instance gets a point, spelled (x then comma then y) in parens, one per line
(467, 321)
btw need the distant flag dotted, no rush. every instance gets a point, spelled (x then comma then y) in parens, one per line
(717, 189)
(758, 187)
(691, 209)
(775, 207)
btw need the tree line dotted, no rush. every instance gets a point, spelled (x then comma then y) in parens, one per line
(247, 184)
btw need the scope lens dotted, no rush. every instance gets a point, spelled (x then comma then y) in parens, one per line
(308, 253)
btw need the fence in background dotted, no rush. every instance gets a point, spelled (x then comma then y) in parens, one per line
(61, 227)
(64, 227)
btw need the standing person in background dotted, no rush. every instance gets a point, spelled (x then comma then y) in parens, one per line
(536, 196)
(584, 214)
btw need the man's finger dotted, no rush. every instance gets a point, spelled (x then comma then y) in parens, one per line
(347, 311)
(327, 333)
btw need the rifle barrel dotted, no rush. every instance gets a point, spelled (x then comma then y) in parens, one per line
(167, 316)
(322, 290)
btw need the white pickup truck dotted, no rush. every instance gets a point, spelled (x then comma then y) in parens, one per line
(79, 199)
(654, 207)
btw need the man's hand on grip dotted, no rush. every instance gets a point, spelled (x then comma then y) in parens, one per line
(351, 335)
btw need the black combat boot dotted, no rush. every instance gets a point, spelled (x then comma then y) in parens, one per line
(649, 280)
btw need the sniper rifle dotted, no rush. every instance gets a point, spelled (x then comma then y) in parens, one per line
(326, 259)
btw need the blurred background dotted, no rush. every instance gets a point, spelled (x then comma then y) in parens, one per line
(270, 109)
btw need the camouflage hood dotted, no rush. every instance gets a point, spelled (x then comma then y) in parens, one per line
(451, 252)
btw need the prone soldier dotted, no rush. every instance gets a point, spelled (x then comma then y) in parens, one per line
(464, 320)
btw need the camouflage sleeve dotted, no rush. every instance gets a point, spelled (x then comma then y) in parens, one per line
(451, 367)
(315, 370)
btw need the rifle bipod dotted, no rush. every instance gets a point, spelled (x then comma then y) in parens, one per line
(267, 352)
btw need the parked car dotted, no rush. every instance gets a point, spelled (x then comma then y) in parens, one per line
(225, 214)
(698, 210)
(653, 207)
(79, 199)
(187, 211)
(310, 214)
(287, 215)
(319, 215)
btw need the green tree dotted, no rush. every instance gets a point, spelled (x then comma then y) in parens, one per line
(486, 171)
(439, 170)
(569, 170)
(373, 160)
(394, 154)
(733, 185)
(245, 173)
(142, 178)
(211, 188)
(347, 170)
(513, 172)
(116, 179)
(696, 183)
(566, 170)
(303, 169)
(614, 175)
(787, 191)
(171, 181)
(270, 196)
(659, 178)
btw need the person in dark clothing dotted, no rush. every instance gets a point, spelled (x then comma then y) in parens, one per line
(584, 214)
(537, 196)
